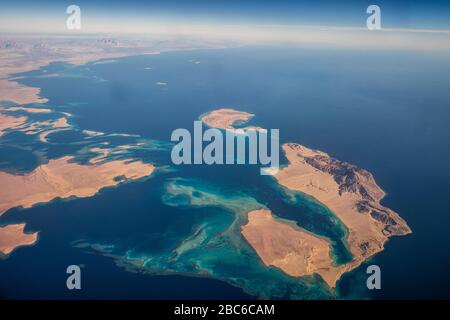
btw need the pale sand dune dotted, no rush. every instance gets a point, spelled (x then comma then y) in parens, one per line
(224, 118)
(60, 123)
(102, 155)
(55, 125)
(350, 192)
(30, 110)
(92, 133)
(13, 236)
(63, 178)
(43, 135)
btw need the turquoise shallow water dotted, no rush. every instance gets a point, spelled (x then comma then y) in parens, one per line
(393, 123)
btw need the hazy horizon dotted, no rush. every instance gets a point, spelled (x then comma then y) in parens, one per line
(132, 16)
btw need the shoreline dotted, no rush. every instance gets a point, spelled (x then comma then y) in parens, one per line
(13, 237)
(90, 49)
(61, 178)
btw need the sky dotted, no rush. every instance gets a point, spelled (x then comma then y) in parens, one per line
(133, 15)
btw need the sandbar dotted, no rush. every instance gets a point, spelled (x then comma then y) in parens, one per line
(8, 122)
(30, 110)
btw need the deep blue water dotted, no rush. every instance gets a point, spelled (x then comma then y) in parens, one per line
(387, 112)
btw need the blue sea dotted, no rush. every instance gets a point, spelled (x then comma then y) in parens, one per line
(385, 111)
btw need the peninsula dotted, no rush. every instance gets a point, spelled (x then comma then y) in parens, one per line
(288, 247)
(65, 178)
(12, 236)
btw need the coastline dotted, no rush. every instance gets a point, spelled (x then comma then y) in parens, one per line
(89, 49)
(63, 178)
(289, 247)
(60, 178)
(13, 236)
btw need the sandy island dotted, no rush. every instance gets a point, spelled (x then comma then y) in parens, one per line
(13, 236)
(64, 178)
(8, 122)
(57, 125)
(23, 123)
(29, 110)
(92, 133)
(351, 194)
(224, 118)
